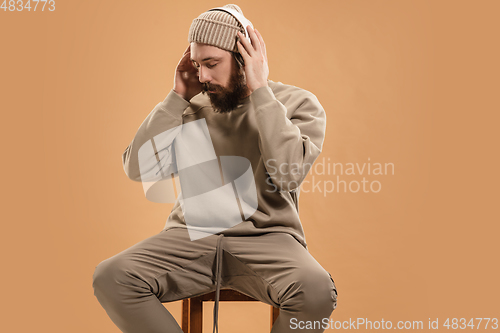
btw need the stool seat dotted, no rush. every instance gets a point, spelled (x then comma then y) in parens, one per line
(192, 308)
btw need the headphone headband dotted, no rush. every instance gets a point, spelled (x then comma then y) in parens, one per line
(239, 17)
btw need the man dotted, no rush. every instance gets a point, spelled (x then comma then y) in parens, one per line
(240, 123)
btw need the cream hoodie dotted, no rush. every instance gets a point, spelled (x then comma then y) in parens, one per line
(280, 129)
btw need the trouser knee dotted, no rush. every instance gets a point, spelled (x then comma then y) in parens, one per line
(313, 293)
(103, 277)
(113, 275)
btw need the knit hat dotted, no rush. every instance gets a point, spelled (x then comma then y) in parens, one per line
(217, 28)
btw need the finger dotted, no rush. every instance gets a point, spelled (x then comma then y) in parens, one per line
(187, 54)
(262, 42)
(186, 64)
(254, 39)
(243, 51)
(186, 57)
(245, 43)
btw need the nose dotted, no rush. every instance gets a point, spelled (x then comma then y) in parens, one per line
(203, 76)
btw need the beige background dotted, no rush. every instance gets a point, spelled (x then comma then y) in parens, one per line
(413, 83)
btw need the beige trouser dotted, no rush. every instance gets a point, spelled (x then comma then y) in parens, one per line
(273, 268)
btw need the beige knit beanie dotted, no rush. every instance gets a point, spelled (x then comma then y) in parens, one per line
(217, 28)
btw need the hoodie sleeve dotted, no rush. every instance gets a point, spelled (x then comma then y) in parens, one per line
(291, 134)
(150, 156)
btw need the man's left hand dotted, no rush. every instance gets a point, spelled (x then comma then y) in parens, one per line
(255, 57)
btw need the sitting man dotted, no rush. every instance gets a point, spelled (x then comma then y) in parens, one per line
(241, 145)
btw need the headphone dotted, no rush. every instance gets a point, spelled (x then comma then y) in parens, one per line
(243, 21)
(239, 17)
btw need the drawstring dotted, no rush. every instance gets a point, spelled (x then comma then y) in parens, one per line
(218, 270)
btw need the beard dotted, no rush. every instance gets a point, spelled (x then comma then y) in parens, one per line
(225, 100)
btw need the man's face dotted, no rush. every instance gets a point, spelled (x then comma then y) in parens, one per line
(223, 81)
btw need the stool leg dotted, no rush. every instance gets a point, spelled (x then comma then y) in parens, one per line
(195, 316)
(185, 315)
(274, 315)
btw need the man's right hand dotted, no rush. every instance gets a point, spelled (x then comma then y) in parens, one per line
(186, 82)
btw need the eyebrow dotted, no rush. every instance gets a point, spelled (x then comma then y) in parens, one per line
(208, 58)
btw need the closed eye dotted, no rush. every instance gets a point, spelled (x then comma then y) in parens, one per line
(196, 65)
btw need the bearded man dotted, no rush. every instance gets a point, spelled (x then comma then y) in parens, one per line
(241, 146)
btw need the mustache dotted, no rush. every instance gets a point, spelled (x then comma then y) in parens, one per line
(208, 86)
